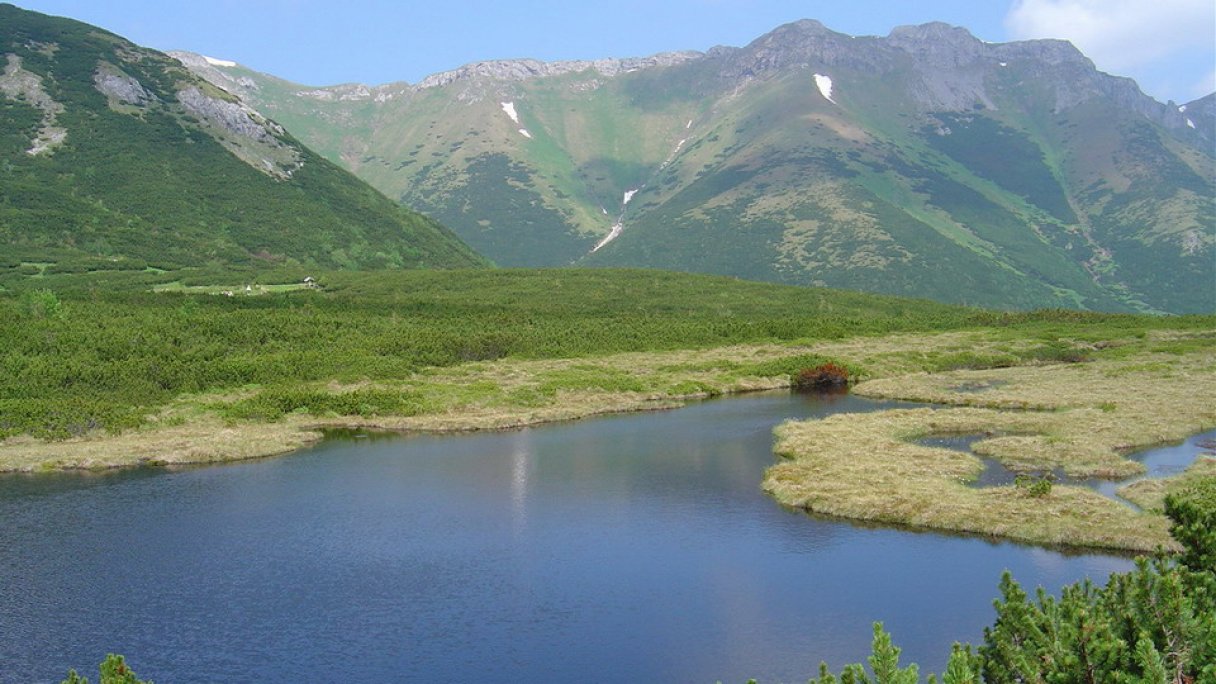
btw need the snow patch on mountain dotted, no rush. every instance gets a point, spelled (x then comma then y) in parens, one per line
(524, 132)
(219, 62)
(628, 196)
(612, 235)
(509, 108)
(824, 84)
(1190, 123)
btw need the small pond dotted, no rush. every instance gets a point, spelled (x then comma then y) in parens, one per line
(634, 548)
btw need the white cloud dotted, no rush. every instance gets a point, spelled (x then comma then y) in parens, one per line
(1118, 35)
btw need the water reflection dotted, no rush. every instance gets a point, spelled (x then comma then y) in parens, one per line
(631, 548)
(521, 455)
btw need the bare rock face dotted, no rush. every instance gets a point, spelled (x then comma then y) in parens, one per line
(1201, 115)
(120, 86)
(208, 69)
(244, 132)
(523, 69)
(235, 117)
(21, 85)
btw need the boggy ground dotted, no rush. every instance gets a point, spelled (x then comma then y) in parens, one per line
(258, 422)
(1081, 418)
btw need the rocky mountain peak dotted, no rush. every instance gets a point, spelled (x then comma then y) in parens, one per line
(1049, 51)
(1201, 115)
(938, 44)
(798, 35)
(933, 32)
(524, 69)
(800, 43)
(809, 27)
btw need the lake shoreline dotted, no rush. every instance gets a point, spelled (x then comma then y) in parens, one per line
(1082, 422)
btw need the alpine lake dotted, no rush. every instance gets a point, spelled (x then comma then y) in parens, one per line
(630, 548)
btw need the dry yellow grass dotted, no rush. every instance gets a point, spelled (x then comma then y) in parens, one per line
(1086, 418)
(203, 440)
(191, 431)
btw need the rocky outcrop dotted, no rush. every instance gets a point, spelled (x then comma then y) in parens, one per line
(523, 69)
(1201, 115)
(235, 117)
(113, 83)
(209, 70)
(20, 85)
(244, 132)
(356, 92)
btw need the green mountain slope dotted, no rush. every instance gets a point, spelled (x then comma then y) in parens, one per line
(924, 163)
(112, 155)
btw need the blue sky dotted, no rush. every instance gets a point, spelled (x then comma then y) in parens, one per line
(1168, 46)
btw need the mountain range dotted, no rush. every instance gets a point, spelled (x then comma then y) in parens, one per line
(114, 156)
(925, 163)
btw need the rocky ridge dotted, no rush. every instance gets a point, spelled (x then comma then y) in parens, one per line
(806, 156)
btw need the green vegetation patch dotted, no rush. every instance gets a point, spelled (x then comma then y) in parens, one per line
(100, 358)
(273, 404)
(1003, 155)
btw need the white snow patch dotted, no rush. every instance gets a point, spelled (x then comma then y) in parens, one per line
(612, 235)
(688, 125)
(824, 83)
(1004, 63)
(1190, 123)
(674, 152)
(524, 132)
(628, 196)
(604, 210)
(509, 108)
(1182, 108)
(219, 62)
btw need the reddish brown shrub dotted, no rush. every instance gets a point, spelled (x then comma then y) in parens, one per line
(825, 376)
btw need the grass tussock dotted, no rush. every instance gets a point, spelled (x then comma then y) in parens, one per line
(1087, 417)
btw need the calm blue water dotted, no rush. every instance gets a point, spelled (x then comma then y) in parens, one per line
(1162, 461)
(636, 548)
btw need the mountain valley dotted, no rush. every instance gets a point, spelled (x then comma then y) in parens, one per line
(925, 163)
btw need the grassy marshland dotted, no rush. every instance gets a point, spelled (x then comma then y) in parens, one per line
(100, 371)
(1082, 418)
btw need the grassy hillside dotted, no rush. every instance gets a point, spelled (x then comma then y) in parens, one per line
(1006, 175)
(113, 156)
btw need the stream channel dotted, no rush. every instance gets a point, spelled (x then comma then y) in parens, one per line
(632, 548)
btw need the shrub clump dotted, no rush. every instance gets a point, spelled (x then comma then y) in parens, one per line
(1037, 486)
(825, 376)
